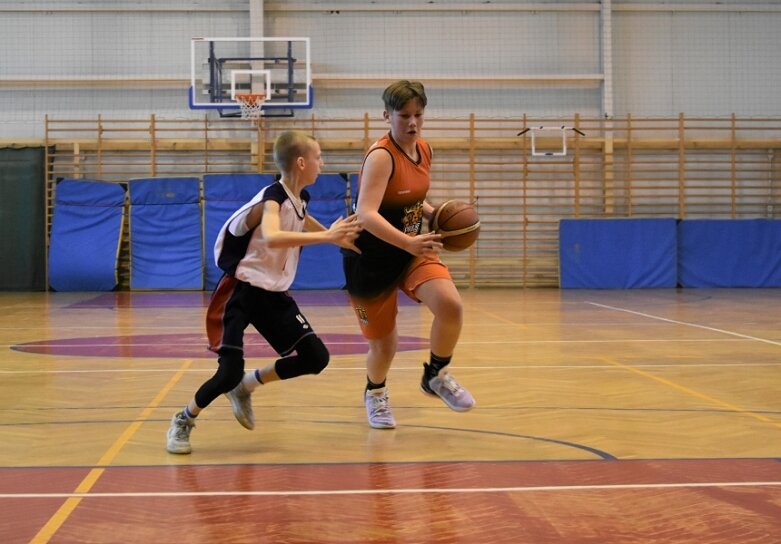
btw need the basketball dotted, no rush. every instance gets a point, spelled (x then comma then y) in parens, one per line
(457, 222)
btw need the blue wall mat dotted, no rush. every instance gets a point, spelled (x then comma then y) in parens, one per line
(353, 192)
(85, 236)
(729, 253)
(320, 266)
(166, 248)
(223, 194)
(617, 253)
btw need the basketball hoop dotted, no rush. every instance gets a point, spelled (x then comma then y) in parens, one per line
(251, 104)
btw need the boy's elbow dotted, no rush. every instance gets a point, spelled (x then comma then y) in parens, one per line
(274, 239)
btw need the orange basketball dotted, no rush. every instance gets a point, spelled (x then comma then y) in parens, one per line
(457, 222)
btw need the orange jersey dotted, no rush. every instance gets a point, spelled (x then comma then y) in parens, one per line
(380, 264)
(402, 203)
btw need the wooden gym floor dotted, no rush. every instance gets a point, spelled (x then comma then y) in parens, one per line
(603, 417)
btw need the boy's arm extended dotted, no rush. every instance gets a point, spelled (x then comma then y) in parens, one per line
(342, 232)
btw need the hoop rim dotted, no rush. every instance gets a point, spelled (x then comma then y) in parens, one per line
(250, 97)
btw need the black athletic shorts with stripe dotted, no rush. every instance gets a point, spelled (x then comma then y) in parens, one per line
(236, 304)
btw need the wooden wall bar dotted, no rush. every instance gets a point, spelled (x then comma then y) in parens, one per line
(629, 167)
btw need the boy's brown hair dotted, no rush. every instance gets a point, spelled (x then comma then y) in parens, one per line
(399, 93)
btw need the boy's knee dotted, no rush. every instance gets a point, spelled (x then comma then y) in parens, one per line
(313, 355)
(451, 309)
(231, 369)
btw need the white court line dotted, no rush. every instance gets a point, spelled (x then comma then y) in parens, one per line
(403, 368)
(322, 328)
(686, 323)
(412, 368)
(401, 491)
(37, 343)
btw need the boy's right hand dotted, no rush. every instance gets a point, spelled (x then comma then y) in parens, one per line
(343, 232)
(427, 245)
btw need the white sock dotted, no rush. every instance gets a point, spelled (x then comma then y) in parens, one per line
(251, 381)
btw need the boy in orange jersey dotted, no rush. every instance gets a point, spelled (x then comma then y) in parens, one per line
(395, 255)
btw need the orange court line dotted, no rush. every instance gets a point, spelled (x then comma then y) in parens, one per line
(693, 393)
(61, 515)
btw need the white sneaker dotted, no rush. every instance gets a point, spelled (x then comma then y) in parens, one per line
(241, 403)
(378, 409)
(448, 389)
(179, 434)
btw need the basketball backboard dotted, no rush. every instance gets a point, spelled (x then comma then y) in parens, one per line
(562, 151)
(280, 68)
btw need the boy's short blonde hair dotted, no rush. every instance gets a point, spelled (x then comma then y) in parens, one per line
(289, 146)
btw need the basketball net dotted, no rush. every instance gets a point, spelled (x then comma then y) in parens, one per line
(251, 104)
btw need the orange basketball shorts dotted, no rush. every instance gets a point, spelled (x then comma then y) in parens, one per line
(377, 315)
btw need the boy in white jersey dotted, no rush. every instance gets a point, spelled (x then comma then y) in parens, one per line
(258, 248)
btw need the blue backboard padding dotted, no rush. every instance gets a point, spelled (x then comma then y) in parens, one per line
(85, 235)
(320, 266)
(224, 194)
(617, 253)
(729, 253)
(166, 247)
